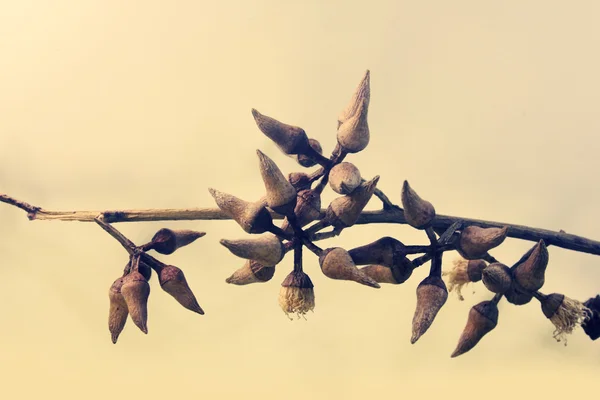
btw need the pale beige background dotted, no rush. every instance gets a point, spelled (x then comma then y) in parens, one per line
(489, 109)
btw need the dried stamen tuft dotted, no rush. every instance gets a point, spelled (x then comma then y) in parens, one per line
(297, 295)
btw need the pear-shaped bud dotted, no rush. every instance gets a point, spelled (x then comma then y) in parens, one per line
(166, 241)
(299, 180)
(564, 313)
(307, 160)
(135, 291)
(344, 211)
(281, 195)
(496, 278)
(172, 280)
(290, 139)
(591, 326)
(530, 274)
(297, 295)
(344, 178)
(475, 241)
(117, 314)
(431, 296)
(381, 251)
(252, 217)
(353, 134)
(266, 249)
(336, 263)
(307, 210)
(251, 272)
(516, 296)
(361, 95)
(483, 317)
(418, 212)
(380, 273)
(462, 273)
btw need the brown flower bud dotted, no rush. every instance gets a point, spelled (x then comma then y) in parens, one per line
(117, 314)
(565, 314)
(251, 272)
(462, 273)
(290, 139)
(380, 273)
(516, 296)
(281, 195)
(266, 249)
(344, 178)
(496, 278)
(172, 280)
(306, 160)
(307, 210)
(353, 134)
(297, 295)
(361, 95)
(135, 291)
(475, 241)
(344, 211)
(483, 317)
(418, 212)
(299, 180)
(166, 241)
(530, 274)
(431, 296)
(252, 217)
(387, 252)
(336, 263)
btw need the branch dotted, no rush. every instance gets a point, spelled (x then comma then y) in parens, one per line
(441, 222)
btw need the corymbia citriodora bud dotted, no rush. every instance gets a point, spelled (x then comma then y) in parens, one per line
(483, 317)
(591, 326)
(336, 263)
(252, 217)
(516, 296)
(431, 296)
(344, 178)
(305, 159)
(418, 212)
(380, 273)
(266, 249)
(463, 272)
(290, 139)
(564, 313)
(344, 211)
(299, 180)
(117, 314)
(475, 242)
(362, 94)
(297, 295)
(166, 241)
(172, 280)
(353, 134)
(308, 209)
(135, 291)
(381, 251)
(530, 274)
(497, 278)
(251, 272)
(281, 195)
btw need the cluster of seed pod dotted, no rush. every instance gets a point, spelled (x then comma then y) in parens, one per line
(128, 295)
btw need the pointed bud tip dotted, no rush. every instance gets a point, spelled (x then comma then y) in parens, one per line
(414, 338)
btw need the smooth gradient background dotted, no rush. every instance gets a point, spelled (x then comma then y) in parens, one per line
(489, 109)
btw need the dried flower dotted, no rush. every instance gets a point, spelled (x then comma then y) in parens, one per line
(483, 317)
(344, 211)
(118, 312)
(252, 217)
(281, 195)
(296, 295)
(592, 325)
(530, 274)
(172, 280)
(135, 291)
(496, 278)
(431, 296)
(361, 95)
(166, 241)
(564, 313)
(475, 241)
(463, 272)
(266, 249)
(336, 263)
(418, 212)
(344, 178)
(251, 272)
